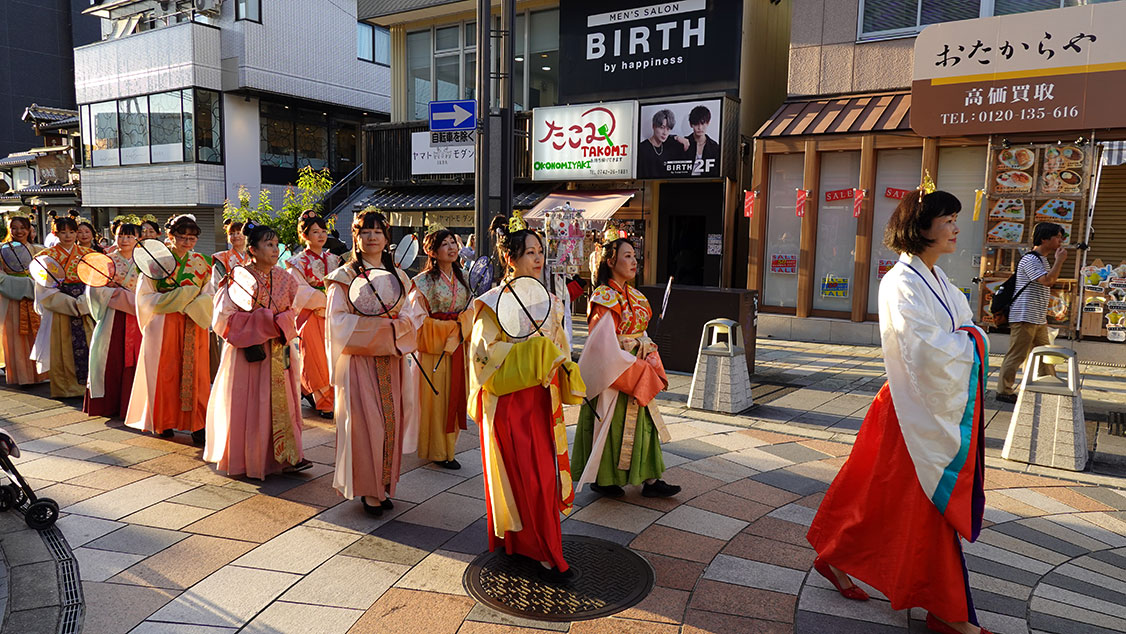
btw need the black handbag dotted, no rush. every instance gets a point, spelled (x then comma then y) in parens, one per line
(255, 353)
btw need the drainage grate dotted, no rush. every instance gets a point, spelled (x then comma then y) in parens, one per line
(70, 585)
(608, 579)
(1116, 424)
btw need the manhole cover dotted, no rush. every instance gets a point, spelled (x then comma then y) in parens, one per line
(608, 579)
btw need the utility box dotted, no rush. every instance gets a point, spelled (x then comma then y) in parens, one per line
(689, 308)
(1048, 427)
(721, 382)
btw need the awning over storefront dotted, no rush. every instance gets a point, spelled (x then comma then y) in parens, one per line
(429, 197)
(596, 205)
(1114, 153)
(882, 112)
(17, 160)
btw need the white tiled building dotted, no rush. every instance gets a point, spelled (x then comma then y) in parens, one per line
(183, 102)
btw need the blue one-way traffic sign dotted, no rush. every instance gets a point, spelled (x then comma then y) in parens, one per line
(453, 115)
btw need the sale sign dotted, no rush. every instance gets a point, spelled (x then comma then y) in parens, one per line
(838, 194)
(749, 203)
(799, 208)
(882, 268)
(783, 263)
(896, 194)
(857, 201)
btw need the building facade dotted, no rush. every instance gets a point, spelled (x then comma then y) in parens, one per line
(184, 103)
(848, 126)
(720, 63)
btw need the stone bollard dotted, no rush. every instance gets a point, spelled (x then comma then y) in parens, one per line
(721, 382)
(1048, 427)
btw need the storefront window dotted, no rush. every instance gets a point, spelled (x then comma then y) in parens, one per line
(133, 119)
(103, 119)
(87, 145)
(833, 268)
(895, 170)
(783, 232)
(346, 145)
(543, 59)
(166, 127)
(187, 97)
(208, 127)
(312, 139)
(418, 74)
(277, 147)
(960, 172)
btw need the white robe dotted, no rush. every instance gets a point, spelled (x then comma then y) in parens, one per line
(928, 363)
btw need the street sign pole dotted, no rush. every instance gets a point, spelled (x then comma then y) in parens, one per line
(484, 108)
(508, 131)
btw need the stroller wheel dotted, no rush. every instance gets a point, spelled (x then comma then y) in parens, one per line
(7, 498)
(42, 514)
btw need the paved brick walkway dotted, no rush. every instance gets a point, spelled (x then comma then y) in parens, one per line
(165, 545)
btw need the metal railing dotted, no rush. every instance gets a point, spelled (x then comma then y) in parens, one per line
(341, 191)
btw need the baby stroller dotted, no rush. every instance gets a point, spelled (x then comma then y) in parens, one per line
(39, 513)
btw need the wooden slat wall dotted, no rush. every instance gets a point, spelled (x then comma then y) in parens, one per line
(1108, 240)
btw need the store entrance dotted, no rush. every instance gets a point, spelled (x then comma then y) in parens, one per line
(691, 217)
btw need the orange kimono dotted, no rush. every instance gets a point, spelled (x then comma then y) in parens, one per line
(173, 382)
(310, 270)
(19, 323)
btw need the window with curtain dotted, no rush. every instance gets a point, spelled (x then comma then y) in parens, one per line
(133, 122)
(166, 127)
(87, 142)
(365, 41)
(208, 126)
(783, 231)
(382, 45)
(103, 120)
(900, 18)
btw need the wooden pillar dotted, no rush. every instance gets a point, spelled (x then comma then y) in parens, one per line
(810, 181)
(930, 159)
(731, 207)
(756, 250)
(864, 238)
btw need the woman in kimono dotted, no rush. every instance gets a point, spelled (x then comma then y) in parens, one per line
(254, 415)
(442, 293)
(309, 269)
(116, 341)
(235, 256)
(623, 372)
(62, 346)
(913, 485)
(19, 322)
(150, 229)
(173, 383)
(376, 409)
(87, 236)
(516, 395)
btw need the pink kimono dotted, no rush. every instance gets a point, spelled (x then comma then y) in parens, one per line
(254, 416)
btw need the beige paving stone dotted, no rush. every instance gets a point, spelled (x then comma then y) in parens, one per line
(99, 565)
(113, 608)
(346, 582)
(56, 469)
(446, 510)
(349, 516)
(211, 497)
(169, 464)
(185, 563)
(422, 484)
(701, 522)
(400, 610)
(66, 494)
(167, 515)
(229, 597)
(108, 478)
(257, 519)
(138, 540)
(130, 498)
(283, 616)
(720, 468)
(80, 529)
(53, 442)
(755, 574)
(205, 474)
(440, 572)
(316, 492)
(619, 515)
(298, 550)
(90, 449)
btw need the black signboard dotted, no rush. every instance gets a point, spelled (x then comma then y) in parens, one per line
(613, 49)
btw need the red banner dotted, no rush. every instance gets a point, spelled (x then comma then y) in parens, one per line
(749, 203)
(838, 194)
(800, 207)
(896, 194)
(857, 201)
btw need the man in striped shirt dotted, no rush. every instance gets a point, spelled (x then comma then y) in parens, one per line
(1028, 316)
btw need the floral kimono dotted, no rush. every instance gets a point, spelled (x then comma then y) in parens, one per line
(173, 382)
(309, 270)
(516, 395)
(19, 323)
(376, 406)
(254, 415)
(913, 486)
(446, 328)
(623, 373)
(116, 342)
(62, 346)
(229, 259)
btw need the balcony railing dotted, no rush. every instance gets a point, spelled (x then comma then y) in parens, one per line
(387, 151)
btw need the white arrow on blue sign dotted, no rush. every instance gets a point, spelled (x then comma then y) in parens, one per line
(453, 115)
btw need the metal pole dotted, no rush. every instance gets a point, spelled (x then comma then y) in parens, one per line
(507, 149)
(484, 103)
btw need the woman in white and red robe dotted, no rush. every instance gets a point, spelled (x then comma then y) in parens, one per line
(913, 486)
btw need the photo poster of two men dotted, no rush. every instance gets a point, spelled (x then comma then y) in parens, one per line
(678, 140)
